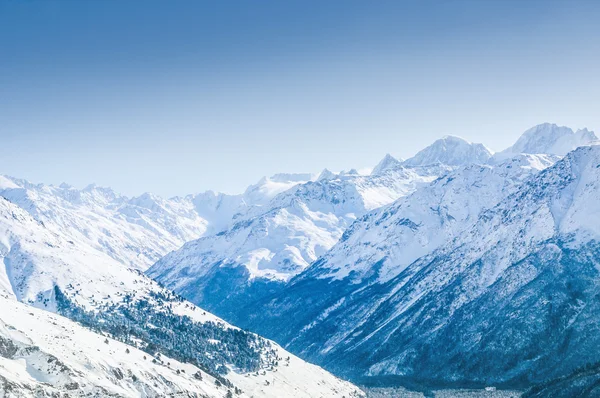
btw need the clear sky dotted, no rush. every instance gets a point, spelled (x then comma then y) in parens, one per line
(177, 97)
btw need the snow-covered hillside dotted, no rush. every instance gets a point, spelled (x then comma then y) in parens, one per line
(45, 270)
(269, 245)
(277, 239)
(369, 275)
(387, 163)
(272, 243)
(388, 239)
(137, 231)
(510, 299)
(381, 244)
(511, 293)
(42, 354)
(222, 210)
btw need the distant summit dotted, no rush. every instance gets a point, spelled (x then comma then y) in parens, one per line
(452, 151)
(388, 162)
(549, 139)
(326, 174)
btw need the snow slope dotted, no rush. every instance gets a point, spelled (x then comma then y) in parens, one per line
(380, 245)
(38, 263)
(270, 244)
(549, 139)
(396, 235)
(222, 210)
(135, 232)
(45, 353)
(317, 263)
(387, 163)
(280, 238)
(512, 299)
(41, 352)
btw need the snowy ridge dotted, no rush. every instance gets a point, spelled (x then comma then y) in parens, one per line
(451, 151)
(396, 235)
(368, 275)
(388, 162)
(281, 238)
(270, 187)
(36, 259)
(38, 262)
(546, 220)
(275, 242)
(549, 139)
(135, 232)
(42, 353)
(524, 271)
(222, 210)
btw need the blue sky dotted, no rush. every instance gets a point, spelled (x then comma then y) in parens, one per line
(183, 96)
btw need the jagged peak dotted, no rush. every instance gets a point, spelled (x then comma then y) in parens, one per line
(326, 174)
(388, 162)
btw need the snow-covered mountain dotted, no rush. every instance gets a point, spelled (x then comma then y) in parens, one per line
(222, 210)
(135, 232)
(369, 275)
(451, 151)
(510, 299)
(388, 239)
(272, 243)
(43, 354)
(381, 244)
(550, 139)
(46, 270)
(387, 163)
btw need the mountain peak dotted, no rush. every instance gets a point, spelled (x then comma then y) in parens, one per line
(326, 174)
(551, 139)
(388, 162)
(452, 151)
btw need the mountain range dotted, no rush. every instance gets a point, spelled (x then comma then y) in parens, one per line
(117, 306)
(458, 266)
